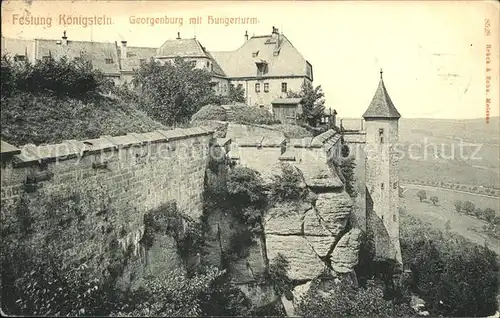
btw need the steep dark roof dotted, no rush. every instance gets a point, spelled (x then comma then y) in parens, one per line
(284, 60)
(98, 52)
(381, 105)
(134, 56)
(182, 48)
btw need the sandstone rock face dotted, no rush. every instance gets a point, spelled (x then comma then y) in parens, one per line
(306, 234)
(346, 253)
(304, 262)
(333, 210)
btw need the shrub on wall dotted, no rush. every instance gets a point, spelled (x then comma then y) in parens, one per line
(278, 268)
(289, 185)
(347, 167)
(167, 220)
(244, 114)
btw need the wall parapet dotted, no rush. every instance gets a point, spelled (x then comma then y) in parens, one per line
(70, 149)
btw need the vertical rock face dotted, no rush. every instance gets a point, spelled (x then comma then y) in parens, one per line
(306, 235)
(345, 254)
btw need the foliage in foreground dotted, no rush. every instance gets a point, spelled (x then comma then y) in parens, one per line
(347, 300)
(454, 276)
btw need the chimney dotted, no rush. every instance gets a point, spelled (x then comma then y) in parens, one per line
(246, 36)
(178, 35)
(64, 39)
(123, 50)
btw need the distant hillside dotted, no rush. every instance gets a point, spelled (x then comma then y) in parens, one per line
(448, 150)
(39, 118)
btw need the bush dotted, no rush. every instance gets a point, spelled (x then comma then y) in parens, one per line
(243, 114)
(346, 300)
(278, 268)
(30, 118)
(347, 167)
(210, 112)
(74, 78)
(421, 195)
(171, 295)
(454, 276)
(434, 199)
(288, 186)
(246, 188)
(468, 207)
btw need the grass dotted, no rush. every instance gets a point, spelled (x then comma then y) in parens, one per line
(41, 119)
(438, 215)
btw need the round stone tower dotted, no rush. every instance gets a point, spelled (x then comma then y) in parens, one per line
(382, 174)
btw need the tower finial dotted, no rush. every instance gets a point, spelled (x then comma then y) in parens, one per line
(381, 73)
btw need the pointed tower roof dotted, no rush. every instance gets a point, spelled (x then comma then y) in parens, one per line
(381, 105)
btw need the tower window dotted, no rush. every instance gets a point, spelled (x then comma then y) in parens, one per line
(257, 87)
(266, 87)
(382, 186)
(284, 87)
(394, 217)
(381, 135)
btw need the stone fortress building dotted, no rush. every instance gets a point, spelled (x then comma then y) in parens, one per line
(321, 232)
(266, 67)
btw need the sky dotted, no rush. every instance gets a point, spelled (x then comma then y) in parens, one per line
(433, 53)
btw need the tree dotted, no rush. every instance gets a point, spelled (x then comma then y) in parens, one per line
(172, 93)
(489, 214)
(468, 207)
(478, 213)
(422, 195)
(313, 102)
(236, 94)
(458, 206)
(434, 199)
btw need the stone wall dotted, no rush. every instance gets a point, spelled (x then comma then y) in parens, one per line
(91, 196)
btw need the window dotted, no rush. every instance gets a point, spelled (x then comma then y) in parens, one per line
(240, 86)
(284, 88)
(381, 135)
(266, 87)
(46, 57)
(257, 87)
(19, 58)
(262, 69)
(208, 64)
(382, 186)
(395, 185)
(394, 217)
(109, 61)
(192, 63)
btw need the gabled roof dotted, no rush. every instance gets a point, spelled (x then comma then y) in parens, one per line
(241, 63)
(98, 52)
(182, 48)
(381, 105)
(135, 55)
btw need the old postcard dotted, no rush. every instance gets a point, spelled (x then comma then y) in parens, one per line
(267, 158)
